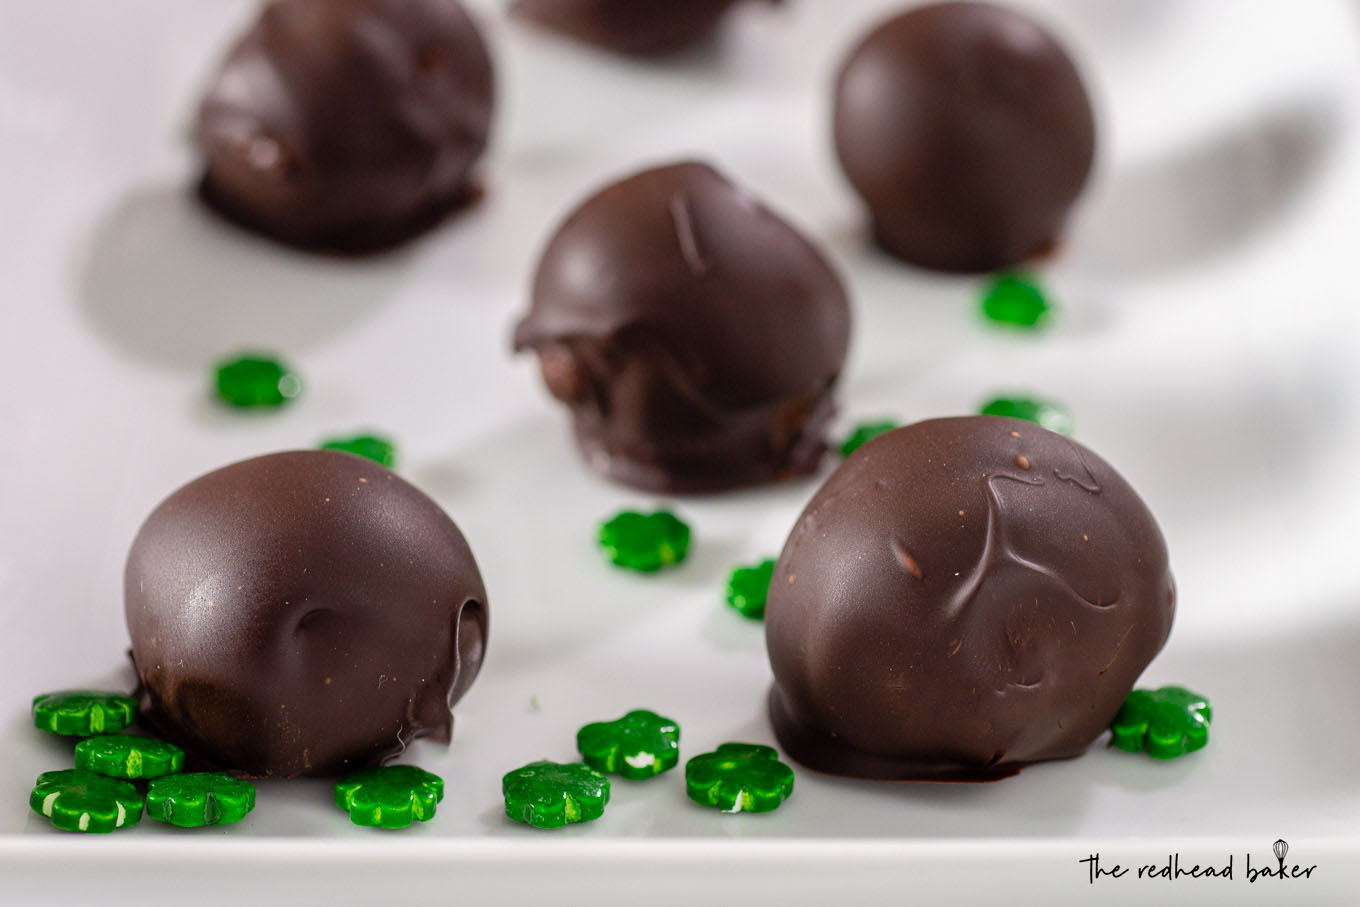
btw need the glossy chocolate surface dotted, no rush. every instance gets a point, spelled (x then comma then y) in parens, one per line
(963, 597)
(347, 125)
(694, 335)
(967, 130)
(636, 27)
(302, 613)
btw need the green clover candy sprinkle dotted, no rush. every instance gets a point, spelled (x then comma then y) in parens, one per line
(1045, 413)
(645, 542)
(1015, 300)
(638, 746)
(255, 380)
(83, 713)
(1167, 722)
(372, 447)
(739, 777)
(551, 795)
(199, 799)
(129, 757)
(748, 587)
(391, 796)
(865, 432)
(77, 800)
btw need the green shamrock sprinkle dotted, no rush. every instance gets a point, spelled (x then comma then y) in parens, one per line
(256, 380)
(551, 794)
(864, 433)
(1045, 413)
(748, 587)
(739, 777)
(374, 447)
(1016, 300)
(638, 746)
(77, 800)
(645, 542)
(83, 713)
(391, 796)
(129, 757)
(1167, 722)
(199, 799)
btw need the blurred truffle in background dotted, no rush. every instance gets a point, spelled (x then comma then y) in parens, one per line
(640, 28)
(969, 134)
(347, 125)
(695, 336)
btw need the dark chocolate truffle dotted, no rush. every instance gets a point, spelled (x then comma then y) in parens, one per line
(302, 613)
(962, 598)
(695, 336)
(968, 132)
(636, 27)
(347, 125)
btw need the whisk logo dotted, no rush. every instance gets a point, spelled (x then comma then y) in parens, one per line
(1176, 868)
(1281, 850)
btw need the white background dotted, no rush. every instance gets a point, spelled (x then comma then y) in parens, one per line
(1206, 344)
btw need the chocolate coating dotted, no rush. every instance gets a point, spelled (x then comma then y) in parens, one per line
(347, 125)
(302, 613)
(694, 335)
(636, 27)
(963, 597)
(967, 131)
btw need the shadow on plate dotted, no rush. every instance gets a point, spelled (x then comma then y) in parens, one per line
(1177, 211)
(167, 282)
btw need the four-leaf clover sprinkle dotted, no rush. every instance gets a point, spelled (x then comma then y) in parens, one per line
(255, 380)
(865, 432)
(199, 799)
(82, 713)
(372, 447)
(77, 800)
(638, 746)
(739, 777)
(748, 587)
(645, 541)
(1046, 413)
(1015, 300)
(551, 795)
(391, 796)
(1167, 722)
(129, 757)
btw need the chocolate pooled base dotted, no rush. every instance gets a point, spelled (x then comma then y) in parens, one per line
(695, 337)
(967, 130)
(643, 28)
(303, 613)
(347, 125)
(962, 598)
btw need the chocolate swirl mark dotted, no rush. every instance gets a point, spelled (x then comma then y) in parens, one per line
(995, 550)
(682, 217)
(1091, 486)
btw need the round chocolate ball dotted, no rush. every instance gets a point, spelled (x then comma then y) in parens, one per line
(637, 27)
(302, 613)
(968, 132)
(963, 597)
(347, 125)
(695, 337)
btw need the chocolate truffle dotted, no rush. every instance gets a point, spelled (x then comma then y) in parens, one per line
(966, 129)
(302, 613)
(963, 597)
(347, 125)
(636, 27)
(694, 335)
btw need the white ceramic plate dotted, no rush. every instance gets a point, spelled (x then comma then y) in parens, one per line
(1206, 345)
